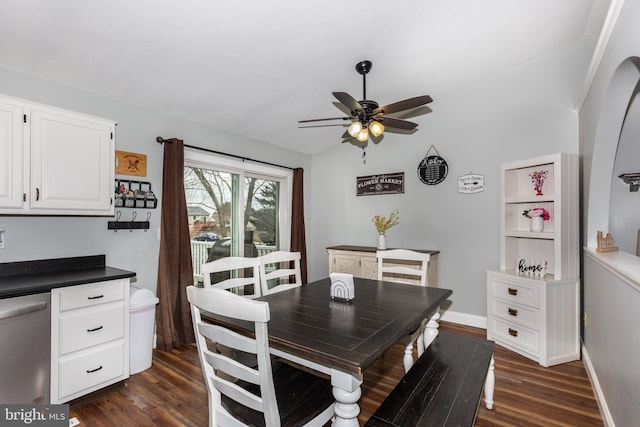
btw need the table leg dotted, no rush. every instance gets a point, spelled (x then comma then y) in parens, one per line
(347, 391)
(489, 385)
(431, 331)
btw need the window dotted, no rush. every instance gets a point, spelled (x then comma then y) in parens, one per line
(230, 202)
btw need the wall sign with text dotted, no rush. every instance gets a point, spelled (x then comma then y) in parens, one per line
(432, 169)
(386, 183)
(469, 184)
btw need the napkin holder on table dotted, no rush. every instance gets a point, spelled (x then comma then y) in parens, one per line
(342, 288)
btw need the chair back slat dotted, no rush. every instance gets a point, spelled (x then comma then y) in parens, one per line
(238, 274)
(276, 272)
(403, 266)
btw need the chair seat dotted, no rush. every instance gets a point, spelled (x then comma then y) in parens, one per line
(301, 396)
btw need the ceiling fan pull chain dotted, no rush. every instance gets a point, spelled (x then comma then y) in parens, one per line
(364, 156)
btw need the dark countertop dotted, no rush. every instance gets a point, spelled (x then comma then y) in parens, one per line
(33, 277)
(374, 249)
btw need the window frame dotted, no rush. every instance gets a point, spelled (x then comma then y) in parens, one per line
(205, 160)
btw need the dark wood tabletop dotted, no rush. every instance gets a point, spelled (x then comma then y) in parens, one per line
(349, 337)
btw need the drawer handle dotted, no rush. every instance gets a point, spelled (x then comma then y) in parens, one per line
(96, 297)
(95, 329)
(512, 291)
(89, 371)
(513, 311)
(513, 332)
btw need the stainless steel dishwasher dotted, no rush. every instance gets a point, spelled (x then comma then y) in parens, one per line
(25, 349)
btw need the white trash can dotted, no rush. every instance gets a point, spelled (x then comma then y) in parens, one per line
(142, 311)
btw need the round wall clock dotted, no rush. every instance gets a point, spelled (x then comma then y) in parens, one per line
(432, 170)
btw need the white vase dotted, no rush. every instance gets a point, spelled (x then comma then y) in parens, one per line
(382, 243)
(537, 224)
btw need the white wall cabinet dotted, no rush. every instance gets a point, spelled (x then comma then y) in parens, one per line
(55, 162)
(361, 261)
(89, 338)
(538, 316)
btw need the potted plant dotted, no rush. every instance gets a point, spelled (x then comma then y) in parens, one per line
(537, 216)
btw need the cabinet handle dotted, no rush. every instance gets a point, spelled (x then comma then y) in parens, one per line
(37, 194)
(96, 297)
(513, 311)
(95, 329)
(89, 371)
(513, 332)
(512, 291)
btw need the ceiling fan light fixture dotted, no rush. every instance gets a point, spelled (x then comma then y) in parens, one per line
(355, 128)
(376, 128)
(363, 135)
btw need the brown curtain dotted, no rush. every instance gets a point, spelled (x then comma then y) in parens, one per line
(175, 273)
(298, 239)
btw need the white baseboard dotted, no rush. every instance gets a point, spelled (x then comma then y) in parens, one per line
(593, 378)
(464, 319)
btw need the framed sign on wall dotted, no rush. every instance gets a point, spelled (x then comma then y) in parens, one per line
(386, 183)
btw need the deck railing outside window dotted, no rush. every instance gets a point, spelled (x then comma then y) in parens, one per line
(200, 253)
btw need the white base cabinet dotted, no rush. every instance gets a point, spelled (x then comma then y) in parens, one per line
(54, 161)
(535, 317)
(90, 338)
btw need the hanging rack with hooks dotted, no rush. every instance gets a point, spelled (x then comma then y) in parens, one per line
(129, 225)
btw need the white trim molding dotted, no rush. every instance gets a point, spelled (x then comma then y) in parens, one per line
(593, 378)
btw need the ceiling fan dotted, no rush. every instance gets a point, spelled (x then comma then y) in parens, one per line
(367, 116)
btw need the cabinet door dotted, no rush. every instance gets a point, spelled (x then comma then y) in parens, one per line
(369, 267)
(11, 155)
(346, 264)
(72, 163)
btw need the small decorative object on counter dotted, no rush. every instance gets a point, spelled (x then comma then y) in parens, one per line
(342, 287)
(538, 178)
(383, 224)
(606, 244)
(537, 216)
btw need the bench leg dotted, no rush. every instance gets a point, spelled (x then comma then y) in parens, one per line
(431, 331)
(489, 385)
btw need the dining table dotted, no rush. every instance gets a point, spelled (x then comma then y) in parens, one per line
(342, 339)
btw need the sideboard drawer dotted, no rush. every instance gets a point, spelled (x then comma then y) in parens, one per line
(515, 313)
(90, 328)
(516, 335)
(517, 293)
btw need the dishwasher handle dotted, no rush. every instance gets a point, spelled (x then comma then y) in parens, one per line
(25, 309)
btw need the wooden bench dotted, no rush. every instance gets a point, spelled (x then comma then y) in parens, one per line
(443, 388)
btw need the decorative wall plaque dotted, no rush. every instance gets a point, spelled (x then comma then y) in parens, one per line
(470, 184)
(131, 163)
(432, 169)
(386, 183)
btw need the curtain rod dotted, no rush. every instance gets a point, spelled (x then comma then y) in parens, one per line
(161, 140)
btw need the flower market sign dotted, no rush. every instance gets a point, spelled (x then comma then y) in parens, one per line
(389, 183)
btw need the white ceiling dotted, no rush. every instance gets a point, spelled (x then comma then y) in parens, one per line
(255, 67)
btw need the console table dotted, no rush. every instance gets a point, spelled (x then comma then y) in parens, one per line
(361, 261)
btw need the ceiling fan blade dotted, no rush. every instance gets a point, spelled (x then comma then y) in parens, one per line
(348, 101)
(403, 105)
(397, 123)
(321, 120)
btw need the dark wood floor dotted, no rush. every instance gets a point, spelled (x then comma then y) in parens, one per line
(172, 392)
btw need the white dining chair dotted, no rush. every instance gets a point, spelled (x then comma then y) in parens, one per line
(274, 393)
(236, 274)
(409, 267)
(276, 272)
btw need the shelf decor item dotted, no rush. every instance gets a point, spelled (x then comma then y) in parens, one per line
(538, 178)
(537, 216)
(383, 224)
